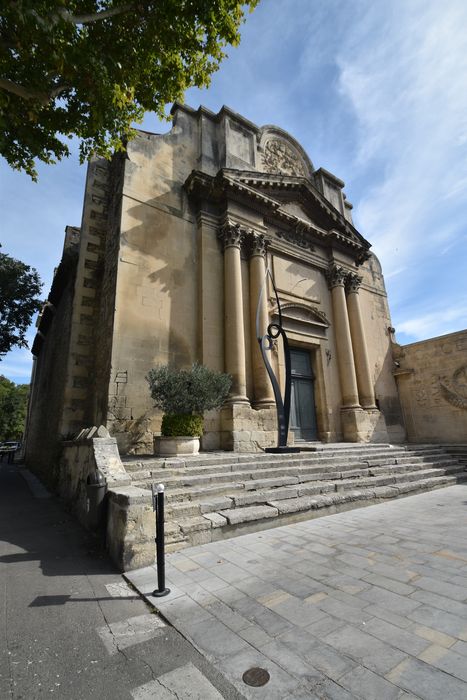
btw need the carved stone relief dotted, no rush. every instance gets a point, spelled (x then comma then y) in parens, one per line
(421, 394)
(299, 237)
(278, 157)
(454, 390)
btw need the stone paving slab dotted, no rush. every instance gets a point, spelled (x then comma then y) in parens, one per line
(368, 604)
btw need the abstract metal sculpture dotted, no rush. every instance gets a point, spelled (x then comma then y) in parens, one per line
(266, 344)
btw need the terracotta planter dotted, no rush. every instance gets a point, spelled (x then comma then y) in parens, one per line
(176, 446)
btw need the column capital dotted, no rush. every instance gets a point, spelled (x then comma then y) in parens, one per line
(257, 244)
(232, 235)
(336, 276)
(353, 282)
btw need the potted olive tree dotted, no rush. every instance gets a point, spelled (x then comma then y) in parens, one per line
(184, 395)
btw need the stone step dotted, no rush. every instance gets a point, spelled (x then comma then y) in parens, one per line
(228, 522)
(209, 501)
(177, 493)
(244, 497)
(135, 464)
(265, 464)
(280, 475)
(331, 466)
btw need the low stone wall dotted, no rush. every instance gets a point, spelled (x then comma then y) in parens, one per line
(432, 382)
(130, 528)
(128, 515)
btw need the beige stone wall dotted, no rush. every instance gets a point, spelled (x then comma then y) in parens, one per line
(156, 300)
(432, 381)
(377, 320)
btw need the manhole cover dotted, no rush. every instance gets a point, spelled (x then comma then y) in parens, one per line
(256, 677)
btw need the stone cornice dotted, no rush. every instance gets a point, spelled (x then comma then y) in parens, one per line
(250, 186)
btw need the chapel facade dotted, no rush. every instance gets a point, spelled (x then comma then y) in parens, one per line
(180, 241)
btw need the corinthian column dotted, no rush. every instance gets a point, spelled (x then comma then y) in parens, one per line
(232, 237)
(261, 383)
(365, 385)
(345, 359)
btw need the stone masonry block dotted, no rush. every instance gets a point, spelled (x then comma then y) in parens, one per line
(244, 515)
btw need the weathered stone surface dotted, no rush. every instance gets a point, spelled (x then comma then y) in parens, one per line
(216, 519)
(268, 483)
(194, 524)
(295, 504)
(259, 496)
(243, 515)
(218, 503)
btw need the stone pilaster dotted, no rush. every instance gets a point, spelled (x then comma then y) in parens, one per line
(362, 366)
(232, 236)
(263, 394)
(336, 280)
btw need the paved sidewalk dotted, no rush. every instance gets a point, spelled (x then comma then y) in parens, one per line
(367, 604)
(70, 627)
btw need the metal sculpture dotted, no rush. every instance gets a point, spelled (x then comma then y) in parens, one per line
(266, 344)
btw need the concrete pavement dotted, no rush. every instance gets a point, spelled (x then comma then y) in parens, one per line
(70, 627)
(368, 604)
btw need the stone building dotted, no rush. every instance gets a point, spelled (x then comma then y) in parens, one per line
(168, 267)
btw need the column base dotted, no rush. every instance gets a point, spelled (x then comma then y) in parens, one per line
(353, 420)
(244, 429)
(363, 425)
(263, 403)
(238, 399)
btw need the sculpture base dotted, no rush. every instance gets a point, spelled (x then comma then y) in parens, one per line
(282, 450)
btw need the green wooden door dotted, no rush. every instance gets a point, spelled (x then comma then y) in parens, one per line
(302, 401)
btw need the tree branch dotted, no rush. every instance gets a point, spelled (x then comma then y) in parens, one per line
(28, 94)
(97, 16)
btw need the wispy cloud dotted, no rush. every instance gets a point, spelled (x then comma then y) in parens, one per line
(404, 70)
(436, 322)
(17, 366)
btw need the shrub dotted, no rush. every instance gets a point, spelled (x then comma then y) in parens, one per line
(175, 425)
(188, 391)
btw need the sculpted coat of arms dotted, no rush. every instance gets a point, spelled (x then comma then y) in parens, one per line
(279, 157)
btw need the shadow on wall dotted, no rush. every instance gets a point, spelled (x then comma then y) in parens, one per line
(157, 294)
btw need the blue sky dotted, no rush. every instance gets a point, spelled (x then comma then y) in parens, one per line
(376, 92)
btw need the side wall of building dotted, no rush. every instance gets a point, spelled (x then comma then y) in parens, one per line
(432, 381)
(47, 398)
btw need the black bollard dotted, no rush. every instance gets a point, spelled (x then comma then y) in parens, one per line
(160, 544)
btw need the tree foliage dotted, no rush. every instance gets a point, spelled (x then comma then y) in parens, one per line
(92, 67)
(13, 408)
(19, 289)
(188, 391)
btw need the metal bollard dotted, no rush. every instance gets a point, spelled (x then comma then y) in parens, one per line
(160, 544)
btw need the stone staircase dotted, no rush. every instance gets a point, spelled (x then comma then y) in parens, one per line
(217, 495)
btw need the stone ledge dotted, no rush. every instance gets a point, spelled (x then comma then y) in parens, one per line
(130, 495)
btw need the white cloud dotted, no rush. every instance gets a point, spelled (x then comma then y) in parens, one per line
(17, 366)
(404, 72)
(436, 322)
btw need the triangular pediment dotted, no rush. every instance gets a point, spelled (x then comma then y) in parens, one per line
(296, 209)
(291, 201)
(296, 196)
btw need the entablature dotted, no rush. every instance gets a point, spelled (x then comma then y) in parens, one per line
(269, 193)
